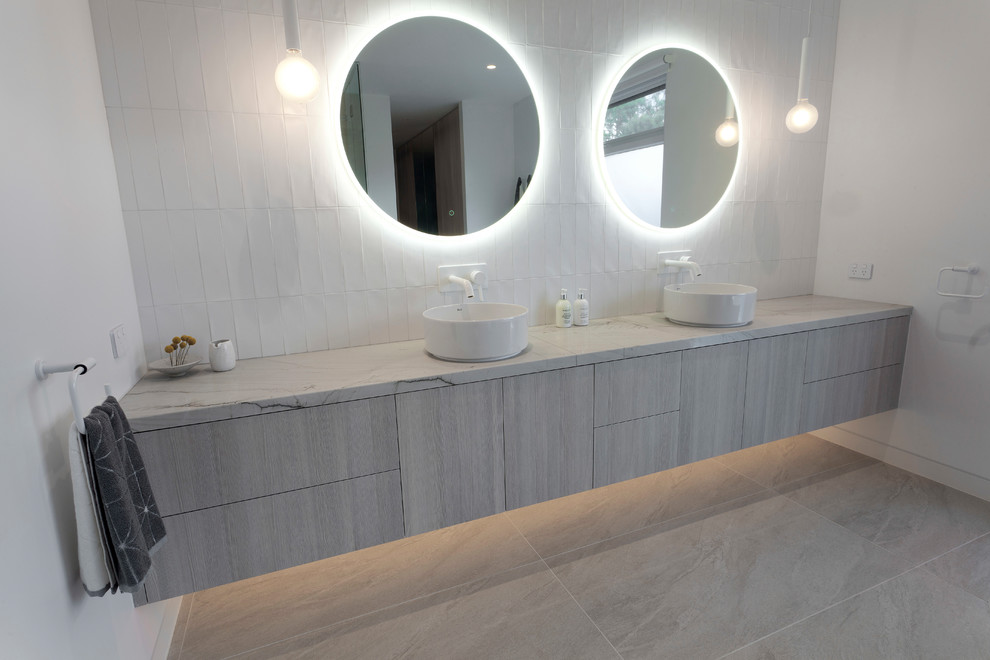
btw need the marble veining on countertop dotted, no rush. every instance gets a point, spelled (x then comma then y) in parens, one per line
(303, 380)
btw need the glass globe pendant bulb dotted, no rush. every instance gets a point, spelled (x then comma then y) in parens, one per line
(727, 133)
(296, 78)
(802, 117)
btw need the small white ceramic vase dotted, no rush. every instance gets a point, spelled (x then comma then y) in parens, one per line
(222, 356)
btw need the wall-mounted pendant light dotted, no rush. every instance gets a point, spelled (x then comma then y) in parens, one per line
(803, 116)
(727, 133)
(295, 77)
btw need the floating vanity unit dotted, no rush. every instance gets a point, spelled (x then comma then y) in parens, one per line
(290, 459)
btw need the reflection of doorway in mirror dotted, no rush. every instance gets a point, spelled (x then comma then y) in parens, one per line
(637, 176)
(429, 179)
(418, 78)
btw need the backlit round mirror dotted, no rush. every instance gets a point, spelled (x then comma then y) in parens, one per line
(669, 139)
(439, 126)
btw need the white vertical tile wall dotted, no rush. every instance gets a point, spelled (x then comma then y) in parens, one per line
(242, 221)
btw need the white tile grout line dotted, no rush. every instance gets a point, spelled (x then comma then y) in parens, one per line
(568, 591)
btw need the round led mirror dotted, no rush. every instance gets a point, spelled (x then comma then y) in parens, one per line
(439, 126)
(669, 138)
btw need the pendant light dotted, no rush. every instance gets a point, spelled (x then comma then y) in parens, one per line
(727, 133)
(803, 116)
(295, 77)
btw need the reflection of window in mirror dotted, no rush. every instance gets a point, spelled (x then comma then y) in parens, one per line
(633, 136)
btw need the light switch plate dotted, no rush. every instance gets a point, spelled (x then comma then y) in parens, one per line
(118, 341)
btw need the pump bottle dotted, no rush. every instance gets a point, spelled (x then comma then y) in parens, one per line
(564, 311)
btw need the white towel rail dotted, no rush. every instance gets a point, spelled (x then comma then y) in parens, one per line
(42, 370)
(972, 269)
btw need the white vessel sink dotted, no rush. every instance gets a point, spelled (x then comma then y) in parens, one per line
(709, 304)
(476, 332)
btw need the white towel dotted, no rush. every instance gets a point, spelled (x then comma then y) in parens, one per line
(93, 558)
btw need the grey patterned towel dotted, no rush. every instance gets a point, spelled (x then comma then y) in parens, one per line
(122, 494)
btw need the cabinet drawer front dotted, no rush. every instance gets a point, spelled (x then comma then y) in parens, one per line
(453, 454)
(713, 396)
(633, 449)
(236, 541)
(848, 349)
(548, 435)
(637, 387)
(207, 465)
(774, 384)
(845, 398)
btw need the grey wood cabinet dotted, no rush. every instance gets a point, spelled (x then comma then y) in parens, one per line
(848, 349)
(549, 419)
(637, 387)
(635, 448)
(713, 392)
(774, 386)
(206, 465)
(248, 496)
(836, 400)
(214, 546)
(451, 444)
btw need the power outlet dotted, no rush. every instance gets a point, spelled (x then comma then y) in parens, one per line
(118, 341)
(861, 271)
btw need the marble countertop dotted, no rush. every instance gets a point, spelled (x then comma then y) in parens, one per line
(303, 380)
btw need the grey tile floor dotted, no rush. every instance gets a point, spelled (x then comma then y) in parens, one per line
(795, 549)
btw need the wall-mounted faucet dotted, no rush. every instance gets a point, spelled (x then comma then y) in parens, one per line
(464, 283)
(684, 263)
(471, 279)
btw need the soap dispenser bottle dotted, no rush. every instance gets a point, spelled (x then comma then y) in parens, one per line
(564, 311)
(581, 308)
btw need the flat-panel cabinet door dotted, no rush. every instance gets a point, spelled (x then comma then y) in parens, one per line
(836, 400)
(848, 349)
(713, 393)
(774, 384)
(232, 542)
(637, 387)
(636, 448)
(205, 465)
(548, 435)
(451, 454)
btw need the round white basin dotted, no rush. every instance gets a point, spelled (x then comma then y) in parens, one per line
(709, 304)
(476, 332)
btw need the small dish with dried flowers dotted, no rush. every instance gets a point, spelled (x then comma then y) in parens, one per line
(179, 361)
(173, 370)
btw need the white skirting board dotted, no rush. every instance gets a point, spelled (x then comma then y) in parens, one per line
(906, 460)
(167, 629)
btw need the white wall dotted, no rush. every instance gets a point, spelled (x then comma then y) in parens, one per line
(379, 156)
(906, 188)
(489, 161)
(65, 280)
(242, 221)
